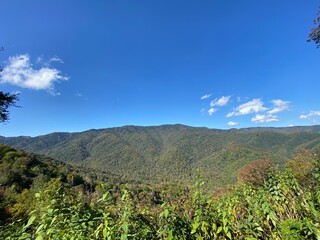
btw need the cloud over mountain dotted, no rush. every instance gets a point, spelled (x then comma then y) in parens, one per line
(314, 116)
(232, 123)
(264, 118)
(279, 106)
(220, 102)
(253, 106)
(212, 111)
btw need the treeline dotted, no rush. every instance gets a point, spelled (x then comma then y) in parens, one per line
(171, 152)
(266, 203)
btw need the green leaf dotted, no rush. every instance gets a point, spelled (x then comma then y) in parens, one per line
(30, 221)
(39, 228)
(53, 220)
(50, 211)
(105, 233)
(214, 226)
(39, 237)
(124, 236)
(195, 227)
(166, 213)
(259, 229)
(204, 226)
(125, 227)
(224, 221)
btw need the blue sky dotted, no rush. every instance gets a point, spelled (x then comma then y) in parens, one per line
(81, 64)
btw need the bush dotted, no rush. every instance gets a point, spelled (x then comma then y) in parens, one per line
(256, 172)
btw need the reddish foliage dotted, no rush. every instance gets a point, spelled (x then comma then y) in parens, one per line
(255, 172)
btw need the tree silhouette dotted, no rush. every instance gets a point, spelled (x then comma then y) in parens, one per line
(6, 100)
(315, 32)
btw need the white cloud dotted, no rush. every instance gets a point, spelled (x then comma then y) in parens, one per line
(20, 72)
(253, 106)
(212, 111)
(264, 118)
(279, 106)
(78, 95)
(56, 59)
(41, 60)
(220, 102)
(310, 115)
(230, 114)
(232, 123)
(206, 96)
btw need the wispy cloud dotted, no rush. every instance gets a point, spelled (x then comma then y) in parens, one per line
(41, 60)
(19, 71)
(264, 118)
(232, 124)
(312, 115)
(206, 96)
(220, 102)
(212, 111)
(253, 106)
(56, 59)
(262, 113)
(279, 106)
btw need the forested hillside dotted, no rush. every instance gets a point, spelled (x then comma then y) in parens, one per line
(43, 199)
(23, 174)
(172, 152)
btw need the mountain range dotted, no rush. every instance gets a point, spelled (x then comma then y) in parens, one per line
(172, 152)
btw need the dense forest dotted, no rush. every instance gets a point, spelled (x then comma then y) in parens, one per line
(41, 198)
(170, 153)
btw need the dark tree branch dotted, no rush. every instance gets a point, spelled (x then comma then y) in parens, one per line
(6, 100)
(315, 32)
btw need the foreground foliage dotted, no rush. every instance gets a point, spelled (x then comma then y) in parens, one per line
(283, 205)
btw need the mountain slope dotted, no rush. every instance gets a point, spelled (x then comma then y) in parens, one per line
(171, 152)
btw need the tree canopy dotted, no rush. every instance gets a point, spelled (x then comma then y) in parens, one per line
(6, 100)
(315, 32)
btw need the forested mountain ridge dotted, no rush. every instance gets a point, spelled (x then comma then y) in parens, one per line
(172, 152)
